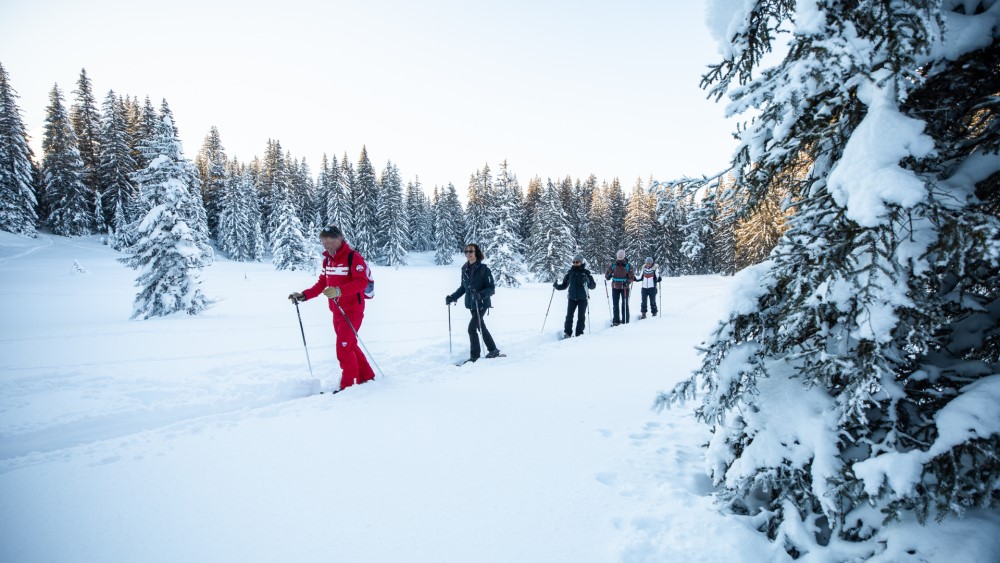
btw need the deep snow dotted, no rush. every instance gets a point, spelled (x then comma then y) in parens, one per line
(202, 439)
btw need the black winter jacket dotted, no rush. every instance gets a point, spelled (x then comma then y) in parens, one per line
(576, 279)
(477, 279)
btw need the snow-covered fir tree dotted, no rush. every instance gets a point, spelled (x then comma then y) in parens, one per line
(584, 193)
(420, 218)
(211, 164)
(86, 121)
(272, 180)
(116, 166)
(531, 198)
(392, 218)
(506, 255)
(698, 245)
(856, 380)
(364, 201)
(289, 249)
(348, 180)
(170, 248)
(143, 127)
(321, 197)
(456, 213)
(614, 198)
(70, 202)
(239, 230)
(639, 217)
(479, 209)
(760, 226)
(671, 215)
(598, 247)
(18, 203)
(304, 191)
(551, 245)
(724, 236)
(335, 195)
(444, 230)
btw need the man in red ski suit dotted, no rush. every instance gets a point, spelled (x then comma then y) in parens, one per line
(344, 285)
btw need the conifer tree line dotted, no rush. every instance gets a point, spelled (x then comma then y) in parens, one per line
(94, 155)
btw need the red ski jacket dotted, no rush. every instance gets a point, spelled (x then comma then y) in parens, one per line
(352, 280)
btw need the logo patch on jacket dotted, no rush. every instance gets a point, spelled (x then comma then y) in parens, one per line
(359, 268)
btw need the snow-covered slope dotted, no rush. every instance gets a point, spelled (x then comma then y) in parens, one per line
(202, 438)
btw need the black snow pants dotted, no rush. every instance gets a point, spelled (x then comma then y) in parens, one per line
(576, 305)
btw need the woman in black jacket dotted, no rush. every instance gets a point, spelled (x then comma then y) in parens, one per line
(477, 286)
(578, 280)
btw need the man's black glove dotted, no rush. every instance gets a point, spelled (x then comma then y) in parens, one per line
(296, 297)
(448, 300)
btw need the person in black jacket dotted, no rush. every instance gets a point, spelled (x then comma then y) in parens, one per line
(578, 280)
(477, 286)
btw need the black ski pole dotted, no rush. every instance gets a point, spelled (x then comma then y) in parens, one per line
(358, 337)
(547, 309)
(590, 328)
(449, 329)
(479, 321)
(304, 345)
(608, 296)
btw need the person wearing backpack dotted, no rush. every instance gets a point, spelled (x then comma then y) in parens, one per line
(477, 286)
(344, 280)
(578, 279)
(649, 279)
(620, 274)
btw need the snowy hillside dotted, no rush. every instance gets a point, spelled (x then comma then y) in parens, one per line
(202, 438)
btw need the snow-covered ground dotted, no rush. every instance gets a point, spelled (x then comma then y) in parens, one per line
(202, 438)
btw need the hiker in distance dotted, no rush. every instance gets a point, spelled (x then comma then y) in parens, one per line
(477, 286)
(343, 280)
(620, 274)
(649, 279)
(578, 279)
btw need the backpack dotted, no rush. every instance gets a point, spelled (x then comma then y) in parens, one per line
(369, 291)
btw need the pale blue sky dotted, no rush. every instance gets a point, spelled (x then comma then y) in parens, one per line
(442, 87)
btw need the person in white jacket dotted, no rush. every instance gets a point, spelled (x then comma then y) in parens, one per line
(649, 279)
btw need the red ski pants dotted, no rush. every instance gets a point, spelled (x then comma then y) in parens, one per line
(353, 364)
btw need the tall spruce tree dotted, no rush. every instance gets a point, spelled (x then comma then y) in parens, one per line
(365, 201)
(392, 217)
(639, 213)
(70, 201)
(18, 203)
(671, 215)
(444, 230)
(699, 245)
(598, 248)
(289, 249)
(457, 214)
(534, 194)
(336, 199)
(170, 247)
(855, 381)
(348, 181)
(420, 218)
(211, 164)
(479, 209)
(239, 230)
(617, 210)
(551, 245)
(116, 164)
(506, 259)
(86, 120)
